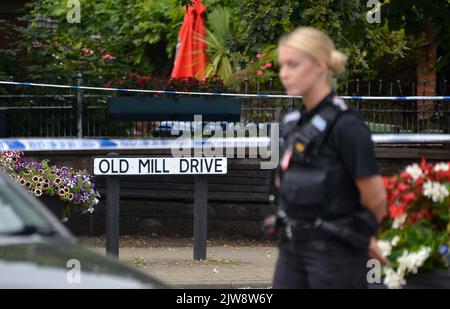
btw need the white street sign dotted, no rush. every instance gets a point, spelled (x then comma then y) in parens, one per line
(159, 166)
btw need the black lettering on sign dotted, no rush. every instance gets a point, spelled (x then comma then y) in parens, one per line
(164, 167)
(184, 165)
(114, 169)
(103, 163)
(157, 171)
(218, 165)
(208, 168)
(144, 164)
(124, 165)
(194, 164)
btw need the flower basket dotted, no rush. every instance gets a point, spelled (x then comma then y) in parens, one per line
(62, 189)
(415, 233)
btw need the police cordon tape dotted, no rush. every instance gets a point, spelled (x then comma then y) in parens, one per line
(216, 94)
(68, 144)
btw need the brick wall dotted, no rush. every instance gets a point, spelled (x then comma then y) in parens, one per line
(426, 74)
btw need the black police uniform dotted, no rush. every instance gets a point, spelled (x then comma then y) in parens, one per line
(318, 185)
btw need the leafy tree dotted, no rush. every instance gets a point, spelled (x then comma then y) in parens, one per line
(417, 16)
(262, 22)
(141, 36)
(113, 38)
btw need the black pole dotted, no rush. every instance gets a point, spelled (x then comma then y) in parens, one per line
(291, 104)
(112, 213)
(79, 107)
(200, 216)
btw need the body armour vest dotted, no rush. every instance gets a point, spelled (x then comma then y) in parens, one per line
(314, 181)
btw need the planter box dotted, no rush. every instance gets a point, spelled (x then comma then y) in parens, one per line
(174, 108)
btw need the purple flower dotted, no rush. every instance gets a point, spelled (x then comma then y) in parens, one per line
(443, 250)
(64, 170)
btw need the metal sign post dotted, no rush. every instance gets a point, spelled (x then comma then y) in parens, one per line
(112, 212)
(200, 216)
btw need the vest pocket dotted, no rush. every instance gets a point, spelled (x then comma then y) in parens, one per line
(305, 185)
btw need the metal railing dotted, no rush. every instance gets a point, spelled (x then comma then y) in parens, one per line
(82, 113)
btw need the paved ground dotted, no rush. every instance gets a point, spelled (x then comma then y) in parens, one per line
(229, 264)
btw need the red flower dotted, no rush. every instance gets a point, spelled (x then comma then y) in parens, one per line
(397, 210)
(133, 75)
(85, 51)
(108, 57)
(403, 187)
(405, 176)
(421, 214)
(409, 197)
(140, 83)
(419, 182)
(423, 164)
(260, 73)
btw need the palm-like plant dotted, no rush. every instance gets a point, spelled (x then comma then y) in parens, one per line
(218, 52)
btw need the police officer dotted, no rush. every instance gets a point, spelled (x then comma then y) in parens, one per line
(329, 191)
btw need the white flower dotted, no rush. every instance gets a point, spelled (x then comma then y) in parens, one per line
(395, 241)
(414, 171)
(412, 261)
(392, 279)
(441, 167)
(398, 222)
(435, 191)
(408, 262)
(385, 247)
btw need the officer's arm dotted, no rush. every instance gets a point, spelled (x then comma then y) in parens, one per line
(373, 195)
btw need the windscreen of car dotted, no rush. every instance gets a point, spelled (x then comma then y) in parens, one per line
(16, 213)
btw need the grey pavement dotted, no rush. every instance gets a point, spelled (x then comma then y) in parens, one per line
(226, 266)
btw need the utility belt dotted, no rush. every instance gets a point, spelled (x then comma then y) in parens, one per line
(343, 230)
(304, 231)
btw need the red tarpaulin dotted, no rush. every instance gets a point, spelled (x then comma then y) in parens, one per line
(191, 60)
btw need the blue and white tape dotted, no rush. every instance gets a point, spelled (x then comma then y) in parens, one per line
(57, 144)
(45, 144)
(240, 95)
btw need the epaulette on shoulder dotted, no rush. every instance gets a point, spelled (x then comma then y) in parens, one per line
(337, 101)
(292, 116)
(290, 121)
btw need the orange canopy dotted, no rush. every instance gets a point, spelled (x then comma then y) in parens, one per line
(191, 59)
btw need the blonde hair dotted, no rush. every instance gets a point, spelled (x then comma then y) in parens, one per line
(318, 46)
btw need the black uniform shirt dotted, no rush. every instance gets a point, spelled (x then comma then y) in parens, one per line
(348, 152)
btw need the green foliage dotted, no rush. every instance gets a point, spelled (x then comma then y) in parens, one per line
(262, 22)
(131, 32)
(141, 35)
(418, 16)
(218, 52)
